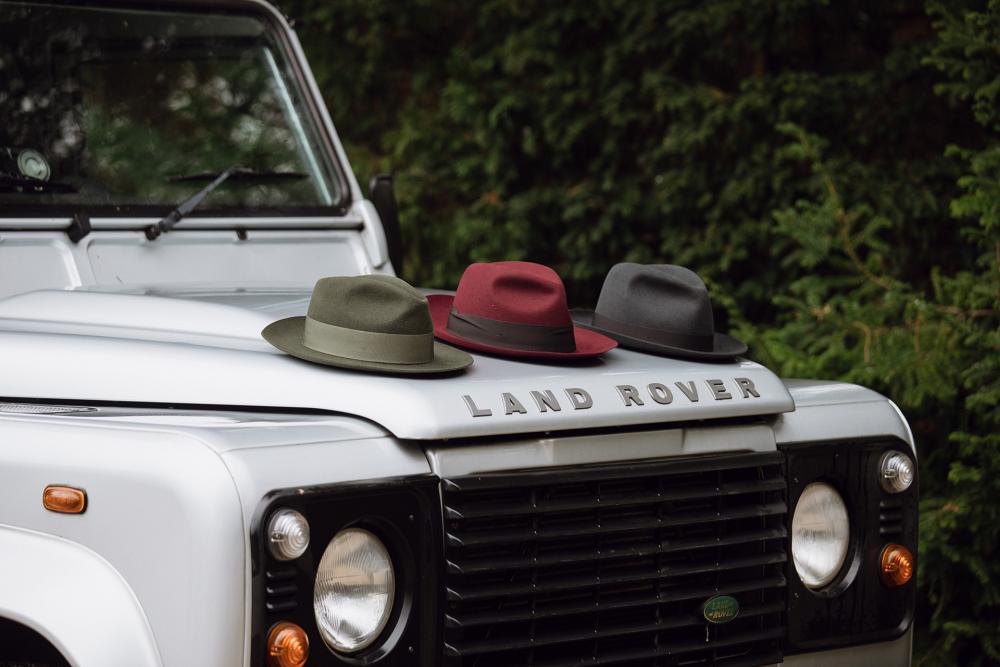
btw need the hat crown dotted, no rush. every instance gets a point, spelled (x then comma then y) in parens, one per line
(661, 296)
(516, 292)
(374, 303)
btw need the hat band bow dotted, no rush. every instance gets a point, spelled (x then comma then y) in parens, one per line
(368, 345)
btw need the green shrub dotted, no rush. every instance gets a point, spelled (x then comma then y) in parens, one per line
(832, 170)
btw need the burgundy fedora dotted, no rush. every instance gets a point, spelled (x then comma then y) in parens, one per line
(515, 309)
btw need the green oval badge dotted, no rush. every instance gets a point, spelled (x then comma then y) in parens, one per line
(720, 609)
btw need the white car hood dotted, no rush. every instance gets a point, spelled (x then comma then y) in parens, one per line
(202, 346)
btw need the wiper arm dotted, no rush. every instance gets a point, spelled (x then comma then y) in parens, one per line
(26, 184)
(166, 224)
(235, 173)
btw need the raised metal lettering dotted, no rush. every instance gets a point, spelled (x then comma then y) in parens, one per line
(474, 409)
(747, 388)
(512, 405)
(718, 390)
(629, 394)
(660, 393)
(691, 391)
(579, 398)
(546, 400)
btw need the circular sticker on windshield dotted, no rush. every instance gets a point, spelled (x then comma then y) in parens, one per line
(33, 165)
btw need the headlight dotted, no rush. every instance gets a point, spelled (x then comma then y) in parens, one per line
(820, 534)
(354, 591)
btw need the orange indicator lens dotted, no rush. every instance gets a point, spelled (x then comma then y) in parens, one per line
(287, 646)
(64, 499)
(897, 565)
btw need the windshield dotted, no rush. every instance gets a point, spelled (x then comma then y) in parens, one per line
(116, 111)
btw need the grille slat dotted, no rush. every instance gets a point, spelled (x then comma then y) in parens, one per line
(669, 622)
(281, 589)
(611, 564)
(568, 609)
(497, 537)
(707, 491)
(543, 477)
(488, 564)
(890, 517)
(618, 657)
(571, 583)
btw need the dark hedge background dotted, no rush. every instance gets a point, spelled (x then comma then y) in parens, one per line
(832, 170)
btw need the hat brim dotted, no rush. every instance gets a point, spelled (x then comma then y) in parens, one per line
(286, 335)
(589, 344)
(723, 345)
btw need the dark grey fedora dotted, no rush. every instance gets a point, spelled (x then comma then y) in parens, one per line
(367, 323)
(659, 308)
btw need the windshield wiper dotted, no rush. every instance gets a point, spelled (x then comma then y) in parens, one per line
(153, 232)
(241, 174)
(191, 203)
(235, 173)
(26, 184)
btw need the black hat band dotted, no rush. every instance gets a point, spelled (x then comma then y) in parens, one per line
(529, 337)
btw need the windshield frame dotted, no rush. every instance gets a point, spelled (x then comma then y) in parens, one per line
(327, 145)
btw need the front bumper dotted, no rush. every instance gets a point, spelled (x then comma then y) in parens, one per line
(895, 653)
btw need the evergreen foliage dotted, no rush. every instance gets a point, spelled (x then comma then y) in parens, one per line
(831, 169)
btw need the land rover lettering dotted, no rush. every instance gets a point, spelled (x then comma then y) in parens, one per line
(579, 398)
(657, 393)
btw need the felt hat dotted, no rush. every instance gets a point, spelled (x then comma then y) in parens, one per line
(368, 323)
(514, 309)
(659, 308)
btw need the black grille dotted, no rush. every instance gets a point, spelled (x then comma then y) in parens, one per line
(890, 517)
(280, 590)
(611, 565)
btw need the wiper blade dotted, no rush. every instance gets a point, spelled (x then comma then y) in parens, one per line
(241, 174)
(26, 184)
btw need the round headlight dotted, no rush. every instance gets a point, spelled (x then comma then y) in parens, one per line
(355, 586)
(820, 534)
(287, 534)
(896, 472)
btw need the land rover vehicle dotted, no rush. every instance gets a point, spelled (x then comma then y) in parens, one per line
(174, 491)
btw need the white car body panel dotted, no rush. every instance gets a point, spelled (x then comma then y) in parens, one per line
(839, 411)
(75, 599)
(163, 511)
(38, 260)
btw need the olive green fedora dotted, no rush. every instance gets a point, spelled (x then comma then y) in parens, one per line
(367, 323)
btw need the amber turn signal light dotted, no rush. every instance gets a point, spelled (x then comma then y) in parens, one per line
(64, 499)
(287, 646)
(897, 565)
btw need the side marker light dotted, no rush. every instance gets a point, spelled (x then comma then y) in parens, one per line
(896, 472)
(287, 646)
(64, 499)
(287, 534)
(897, 565)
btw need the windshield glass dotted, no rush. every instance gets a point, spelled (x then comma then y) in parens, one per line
(116, 111)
